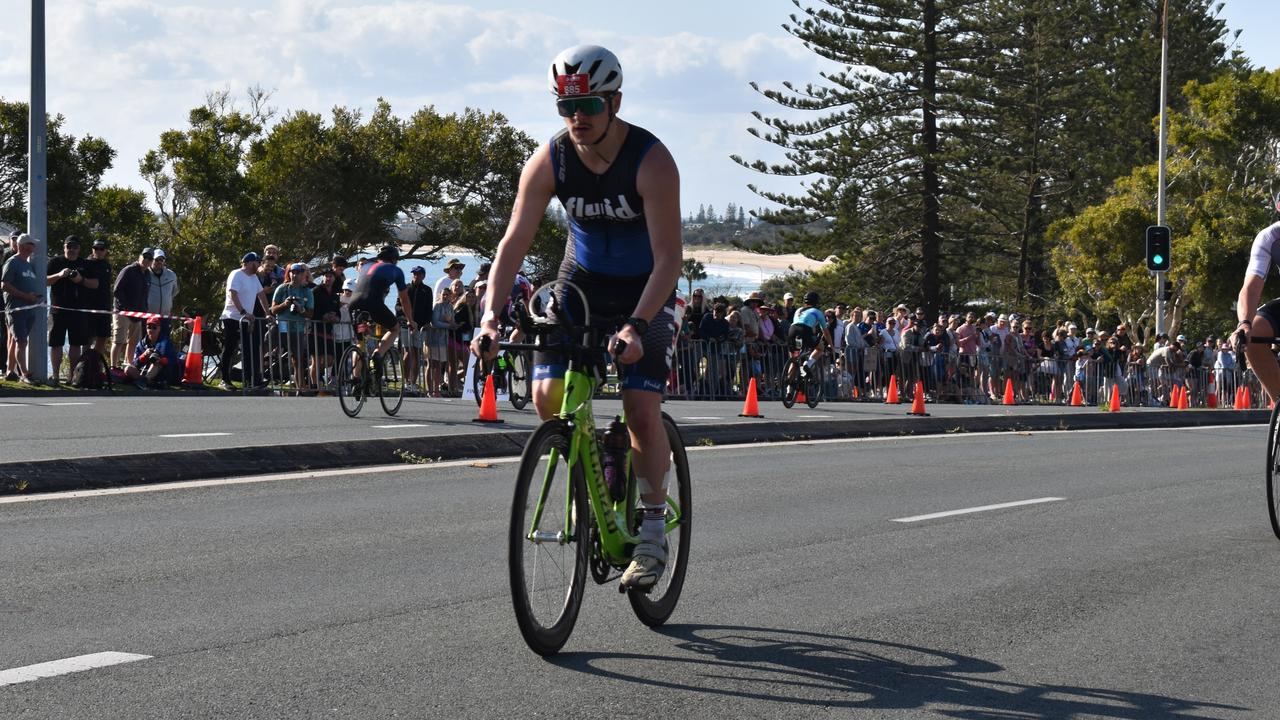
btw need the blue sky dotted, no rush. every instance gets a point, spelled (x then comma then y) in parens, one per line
(127, 70)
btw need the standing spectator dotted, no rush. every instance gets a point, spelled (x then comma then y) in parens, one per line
(788, 313)
(420, 297)
(161, 288)
(320, 340)
(339, 265)
(1224, 369)
(1123, 341)
(153, 360)
(67, 276)
(452, 271)
(270, 273)
(855, 343)
(22, 289)
(460, 337)
(97, 296)
(293, 304)
(714, 330)
(968, 339)
(244, 290)
(10, 250)
(130, 292)
(439, 379)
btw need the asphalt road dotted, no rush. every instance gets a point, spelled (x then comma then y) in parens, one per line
(44, 428)
(1147, 591)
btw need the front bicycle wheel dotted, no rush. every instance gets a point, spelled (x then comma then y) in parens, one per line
(654, 607)
(791, 384)
(547, 541)
(1273, 470)
(520, 379)
(391, 384)
(483, 368)
(351, 387)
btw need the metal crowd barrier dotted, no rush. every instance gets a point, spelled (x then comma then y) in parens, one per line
(716, 370)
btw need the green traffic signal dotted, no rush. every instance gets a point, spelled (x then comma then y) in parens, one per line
(1159, 240)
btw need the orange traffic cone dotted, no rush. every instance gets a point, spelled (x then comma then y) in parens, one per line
(800, 397)
(1173, 397)
(488, 404)
(1115, 398)
(1183, 402)
(892, 397)
(1008, 392)
(855, 392)
(917, 403)
(1077, 398)
(1248, 399)
(193, 373)
(1239, 403)
(751, 408)
(1212, 400)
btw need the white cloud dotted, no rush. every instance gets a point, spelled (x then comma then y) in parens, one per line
(127, 70)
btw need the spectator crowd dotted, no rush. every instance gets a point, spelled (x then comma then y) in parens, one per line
(282, 326)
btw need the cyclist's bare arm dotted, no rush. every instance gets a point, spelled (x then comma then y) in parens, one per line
(1261, 359)
(658, 182)
(537, 187)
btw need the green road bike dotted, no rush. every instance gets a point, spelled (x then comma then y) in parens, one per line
(566, 524)
(359, 378)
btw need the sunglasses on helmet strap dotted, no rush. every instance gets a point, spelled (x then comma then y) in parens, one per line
(585, 104)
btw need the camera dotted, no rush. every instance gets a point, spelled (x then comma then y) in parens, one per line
(73, 274)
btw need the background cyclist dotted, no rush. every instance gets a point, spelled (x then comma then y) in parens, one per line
(372, 283)
(621, 191)
(1260, 321)
(811, 328)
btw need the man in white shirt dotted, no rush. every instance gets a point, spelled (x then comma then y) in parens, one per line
(243, 289)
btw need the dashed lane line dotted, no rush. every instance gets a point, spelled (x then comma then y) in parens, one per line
(192, 435)
(983, 508)
(393, 427)
(66, 666)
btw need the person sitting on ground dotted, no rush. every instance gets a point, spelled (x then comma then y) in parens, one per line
(153, 359)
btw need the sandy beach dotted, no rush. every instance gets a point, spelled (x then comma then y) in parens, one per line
(743, 258)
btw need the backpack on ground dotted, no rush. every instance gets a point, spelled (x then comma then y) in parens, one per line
(90, 372)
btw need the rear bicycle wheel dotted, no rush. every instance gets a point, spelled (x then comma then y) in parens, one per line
(391, 382)
(547, 544)
(790, 384)
(655, 607)
(1273, 470)
(351, 387)
(520, 379)
(483, 368)
(814, 386)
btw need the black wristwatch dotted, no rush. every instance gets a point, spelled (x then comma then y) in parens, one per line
(640, 324)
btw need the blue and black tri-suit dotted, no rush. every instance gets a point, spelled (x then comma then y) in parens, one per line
(609, 255)
(370, 295)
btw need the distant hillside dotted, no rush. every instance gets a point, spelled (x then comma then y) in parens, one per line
(726, 234)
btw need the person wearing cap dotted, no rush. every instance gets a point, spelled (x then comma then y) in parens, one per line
(244, 291)
(292, 304)
(452, 271)
(482, 274)
(342, 335)
(162, 286)
(320, 337)
(22, 289)
(130, 293)
(154, 360)
(339, 264)
(98, 296)
(420, 306)
(69, 286)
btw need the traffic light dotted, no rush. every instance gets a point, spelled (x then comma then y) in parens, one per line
(1158, 242)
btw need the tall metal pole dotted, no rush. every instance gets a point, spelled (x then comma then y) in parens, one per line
(1164, 98)
(37, 185)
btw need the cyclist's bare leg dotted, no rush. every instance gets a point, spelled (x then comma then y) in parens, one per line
(1261, 359)
(388, 338)
(548, 396)
(650, 451)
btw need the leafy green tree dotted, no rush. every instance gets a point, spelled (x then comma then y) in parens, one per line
(1224, 154)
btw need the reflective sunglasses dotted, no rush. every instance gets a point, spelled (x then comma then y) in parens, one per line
(585, 104)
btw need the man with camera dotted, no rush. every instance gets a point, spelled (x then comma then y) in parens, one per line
(153, 359)
(68, 292)
(162, 286)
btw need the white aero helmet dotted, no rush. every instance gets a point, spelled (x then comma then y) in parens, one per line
(583, 70)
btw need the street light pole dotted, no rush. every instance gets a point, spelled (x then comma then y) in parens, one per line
(1161, 280)
(37, 186)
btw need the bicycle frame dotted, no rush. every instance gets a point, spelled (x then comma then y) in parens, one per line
(612, 518)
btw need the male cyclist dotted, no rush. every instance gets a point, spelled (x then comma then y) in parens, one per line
(372, 283)
(621, 191)
(1260, 321)
(811, 328)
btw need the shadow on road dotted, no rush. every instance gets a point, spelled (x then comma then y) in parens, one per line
(806, 668)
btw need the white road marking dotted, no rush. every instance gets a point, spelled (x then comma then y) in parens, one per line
(64, 404)
(815, 416)
(404, 467)
(189, 435)
(390, 427)
(702, 417)
(13, 405)
(80, 663)
(984, 508)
